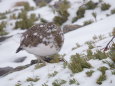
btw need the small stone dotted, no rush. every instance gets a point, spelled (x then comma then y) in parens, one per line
(18, 60)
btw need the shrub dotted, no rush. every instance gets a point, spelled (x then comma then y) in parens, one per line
(91, 5)
(101, 37)
(100, 55)
(111, 64)
(90, 44)
(74, 19)
(89, 73)
(58, 82)
(18, 84)
(59, 20)
(42, 3)
(33, 17)
(63, 6)
(63, 13)
(55, 58)
(105, 6)
(90, 54)
(77, 46)
(113, 32)
(26, 5)
(32, 79)
(112, 53)
(102, 76)
(2, 16)
(113, 11)
(37, 66)
(80, 14)
(103, 69)
(78, 63)
(95, 37)
(113, 72)
(52, 74)
(2, 26)
(25, 22)
(13, 16)
(73, 81)
(87, 22)
(43, 20)
(44, 84)
(94, 15)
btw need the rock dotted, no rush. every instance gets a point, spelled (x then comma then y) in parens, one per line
(68, 28)
(39, 1)
(4, 38)
(5, 70)
(18, 60)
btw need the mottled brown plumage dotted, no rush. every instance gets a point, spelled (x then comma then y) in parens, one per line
(42, 39)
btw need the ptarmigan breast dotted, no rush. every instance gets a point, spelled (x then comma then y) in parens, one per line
(42, 39)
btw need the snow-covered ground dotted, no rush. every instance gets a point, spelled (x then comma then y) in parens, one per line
(103, 26)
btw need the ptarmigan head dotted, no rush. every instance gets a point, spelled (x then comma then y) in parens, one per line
(43, 39)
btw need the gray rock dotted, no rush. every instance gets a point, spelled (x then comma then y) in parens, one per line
(18, 60)
(68, 28)
(5, 70)
(4, 38)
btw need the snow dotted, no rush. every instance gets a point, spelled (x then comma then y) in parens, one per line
(103, 26)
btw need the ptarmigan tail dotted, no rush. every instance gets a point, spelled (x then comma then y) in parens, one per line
(18, 50)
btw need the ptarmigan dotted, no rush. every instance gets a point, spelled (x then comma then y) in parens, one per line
(42, 40)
